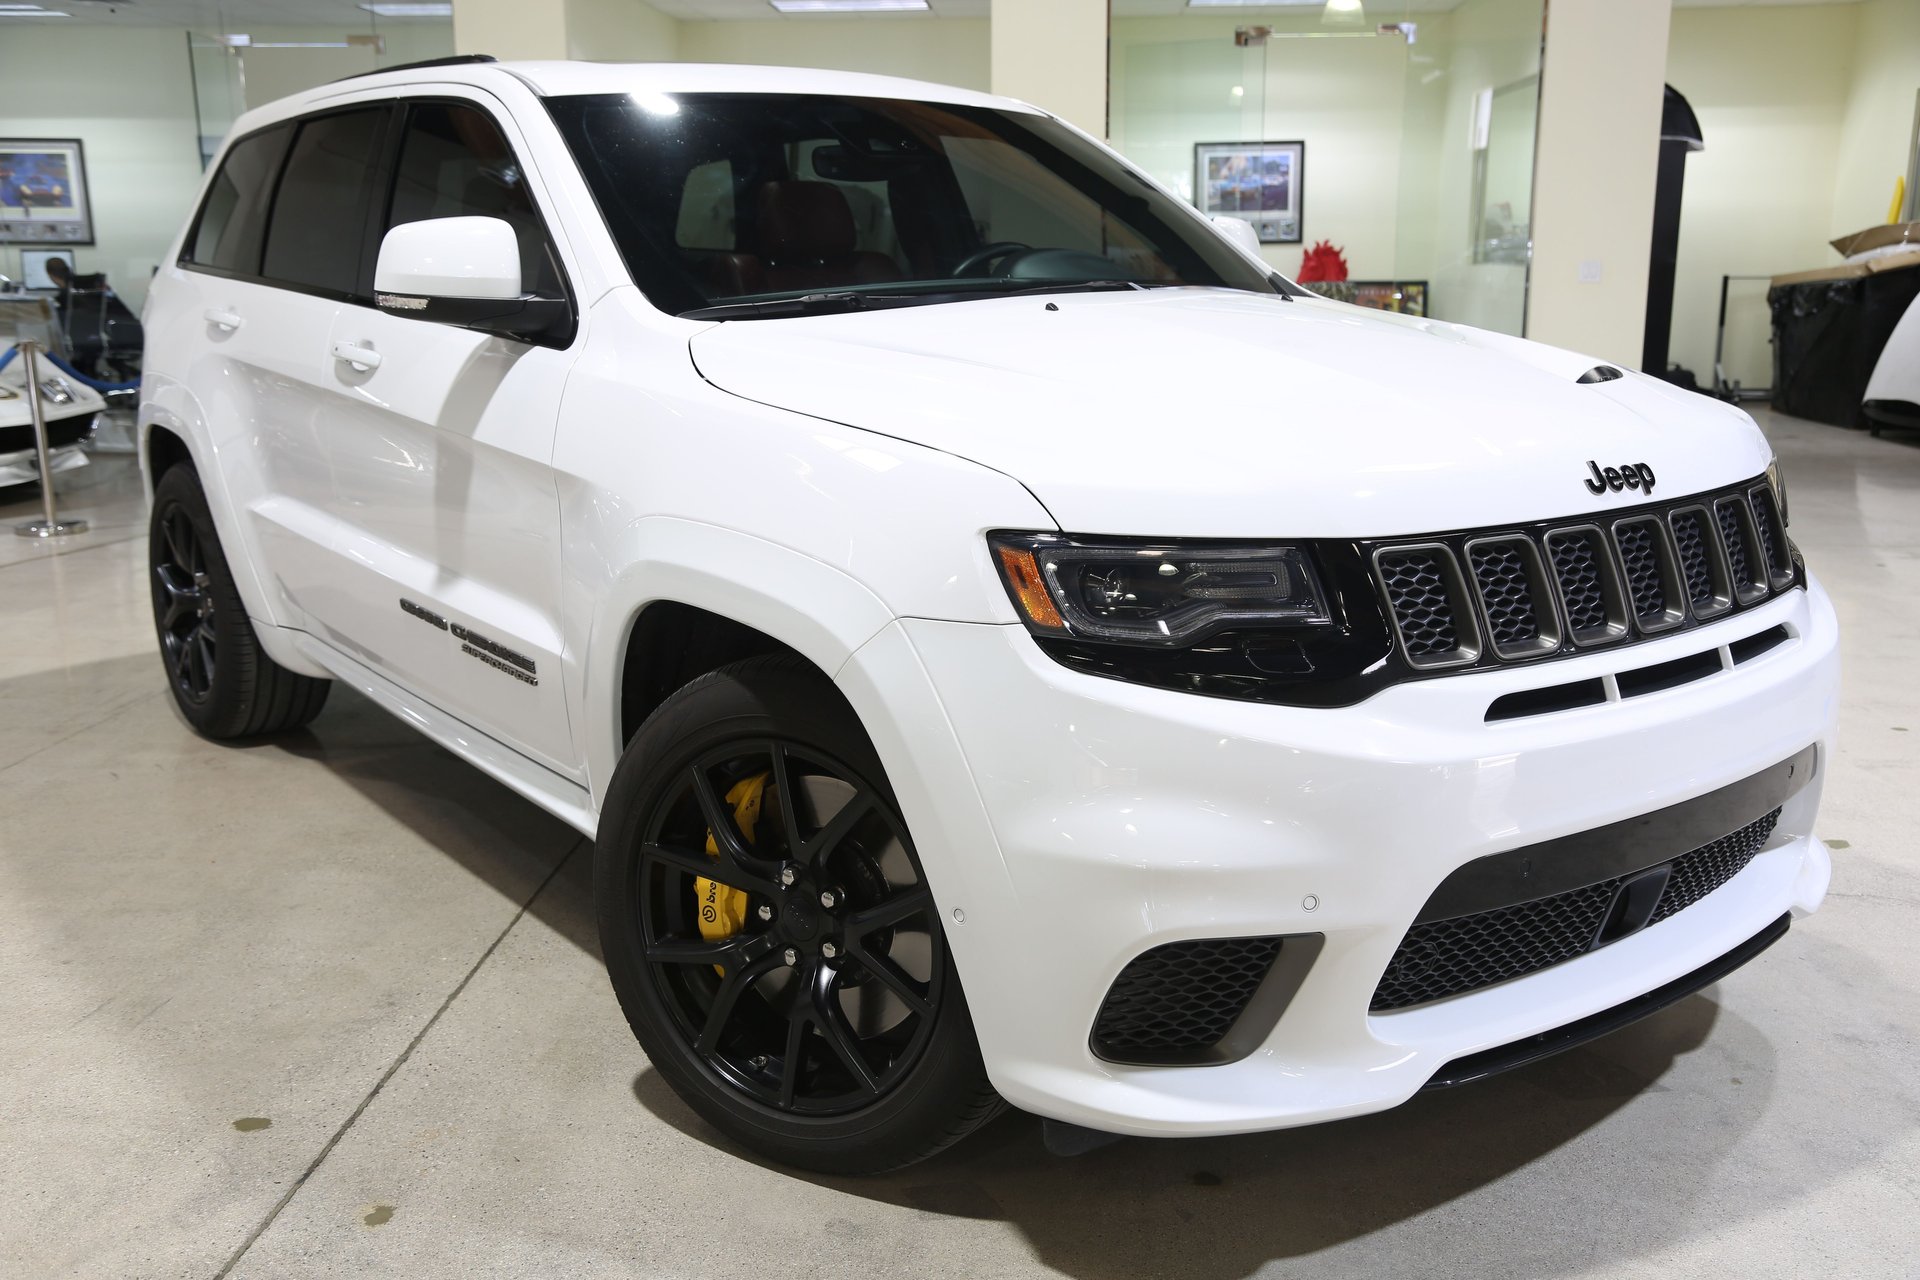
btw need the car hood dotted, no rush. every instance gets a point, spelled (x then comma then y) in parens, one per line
(1216, 413)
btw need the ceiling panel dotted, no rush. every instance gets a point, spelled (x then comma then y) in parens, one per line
(238, 15)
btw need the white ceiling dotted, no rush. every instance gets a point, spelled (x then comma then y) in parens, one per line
(237, 15)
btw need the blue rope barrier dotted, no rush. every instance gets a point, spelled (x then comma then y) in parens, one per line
(72, 372)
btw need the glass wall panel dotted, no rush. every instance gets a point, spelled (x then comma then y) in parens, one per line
(1471, 102)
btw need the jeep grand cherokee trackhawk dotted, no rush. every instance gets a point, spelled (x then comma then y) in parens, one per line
(1006, 643)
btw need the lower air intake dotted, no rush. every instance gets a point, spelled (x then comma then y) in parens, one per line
(1176, 1003)
(1442, 958)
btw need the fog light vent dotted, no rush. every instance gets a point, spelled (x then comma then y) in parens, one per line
(1178, 1002)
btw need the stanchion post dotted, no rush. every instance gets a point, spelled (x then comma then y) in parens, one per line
(49, 525)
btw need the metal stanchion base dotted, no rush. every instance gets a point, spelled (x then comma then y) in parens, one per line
(43, 529)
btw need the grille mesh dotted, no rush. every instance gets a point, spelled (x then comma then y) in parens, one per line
(1578, 570)
(1642, 563)
(1764, 516)
(1417, 588)
(1690, 537)
(1735, 538)
(1502, 574)
(1442, 958)
(1181, 999)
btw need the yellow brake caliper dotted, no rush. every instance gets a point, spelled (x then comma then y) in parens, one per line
(723, 908)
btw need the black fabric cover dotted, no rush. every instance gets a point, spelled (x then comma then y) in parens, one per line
(1827, 336)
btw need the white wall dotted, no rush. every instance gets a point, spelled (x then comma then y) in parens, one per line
(945, 50)
(1053, 55)
(127, 95)
(1872, 147)
(1599, 149)
(1771, 86)
(620, 31)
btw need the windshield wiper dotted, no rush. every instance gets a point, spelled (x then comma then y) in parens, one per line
(812, 304)
(840, 301)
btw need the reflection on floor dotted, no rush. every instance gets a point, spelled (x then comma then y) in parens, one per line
(214, 957)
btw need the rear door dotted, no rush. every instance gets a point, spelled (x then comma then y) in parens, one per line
(436, 443)
(274, 251)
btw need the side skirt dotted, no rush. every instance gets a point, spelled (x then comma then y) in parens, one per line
(565, 800)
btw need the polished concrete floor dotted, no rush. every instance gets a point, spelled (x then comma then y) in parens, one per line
(330, 1005)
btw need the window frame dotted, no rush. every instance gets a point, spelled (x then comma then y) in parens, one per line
(385, 179)
(377, 225)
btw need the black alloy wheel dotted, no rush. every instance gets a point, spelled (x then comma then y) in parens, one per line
(223, 682)
(770, 932)
(825, 997)
(186, 607)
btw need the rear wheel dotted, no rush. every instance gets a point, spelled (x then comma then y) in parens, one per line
(770, 934)
(223, 682)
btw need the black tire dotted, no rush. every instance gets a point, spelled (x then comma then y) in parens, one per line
(223, 682)
(791, 1095)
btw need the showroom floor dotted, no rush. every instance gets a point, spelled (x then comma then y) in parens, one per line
(331, 1005)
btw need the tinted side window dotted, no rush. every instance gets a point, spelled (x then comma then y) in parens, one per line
(320, 214)
(233, 220)
(455, 163)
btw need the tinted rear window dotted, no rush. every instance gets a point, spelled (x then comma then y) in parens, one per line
(319, 221)
(233, 219)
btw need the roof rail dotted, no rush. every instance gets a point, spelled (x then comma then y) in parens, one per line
(457, 60)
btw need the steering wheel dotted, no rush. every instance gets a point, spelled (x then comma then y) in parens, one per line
(980, 257)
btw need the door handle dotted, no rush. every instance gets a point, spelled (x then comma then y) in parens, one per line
(222, 318)
(361, 358)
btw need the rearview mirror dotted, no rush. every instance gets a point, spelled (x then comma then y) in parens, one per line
(466, 272)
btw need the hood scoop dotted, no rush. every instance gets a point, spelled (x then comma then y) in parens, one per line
(1599, 373)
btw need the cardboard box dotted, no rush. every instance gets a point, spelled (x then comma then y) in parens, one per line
(1854, 270)
(1876, 237)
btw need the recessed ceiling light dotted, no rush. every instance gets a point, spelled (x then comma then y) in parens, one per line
(848, 6)
(384, 10)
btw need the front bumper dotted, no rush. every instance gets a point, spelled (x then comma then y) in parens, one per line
(1125, 817)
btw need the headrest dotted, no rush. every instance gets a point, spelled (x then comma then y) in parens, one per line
(804, 220)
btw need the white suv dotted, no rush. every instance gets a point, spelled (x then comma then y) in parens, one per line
(1006, 643)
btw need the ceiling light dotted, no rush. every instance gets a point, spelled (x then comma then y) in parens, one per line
(848, 6)
(383, 10)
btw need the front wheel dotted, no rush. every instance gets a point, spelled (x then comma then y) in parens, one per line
(770, 933)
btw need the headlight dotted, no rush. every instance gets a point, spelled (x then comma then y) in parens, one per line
(1155, 593)
(1777, 480)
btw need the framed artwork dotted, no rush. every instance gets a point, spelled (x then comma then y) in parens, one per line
(1258, 181)
(43, 192)
(1409, 297)
(33, 267)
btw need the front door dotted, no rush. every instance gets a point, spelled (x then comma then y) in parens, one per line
(437, 443)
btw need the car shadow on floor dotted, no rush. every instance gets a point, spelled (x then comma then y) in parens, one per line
(1209, 1208)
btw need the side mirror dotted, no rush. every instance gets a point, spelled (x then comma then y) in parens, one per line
(1241, 232)
(466, 272)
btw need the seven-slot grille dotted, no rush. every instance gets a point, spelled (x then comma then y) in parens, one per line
(1484, 597)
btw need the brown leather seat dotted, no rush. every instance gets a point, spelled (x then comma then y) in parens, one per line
(807, 240)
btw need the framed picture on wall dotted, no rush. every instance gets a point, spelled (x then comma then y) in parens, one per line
(43, 192)
(1258, 181)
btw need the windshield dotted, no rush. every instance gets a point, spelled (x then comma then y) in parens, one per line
(753, 204)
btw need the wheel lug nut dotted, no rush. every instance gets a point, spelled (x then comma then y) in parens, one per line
(827, 899)
(790, 956)
(828, 950)
(787, 876)
(766, 912)
(758, 1062)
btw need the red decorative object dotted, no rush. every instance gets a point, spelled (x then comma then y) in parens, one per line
(1321, 264)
